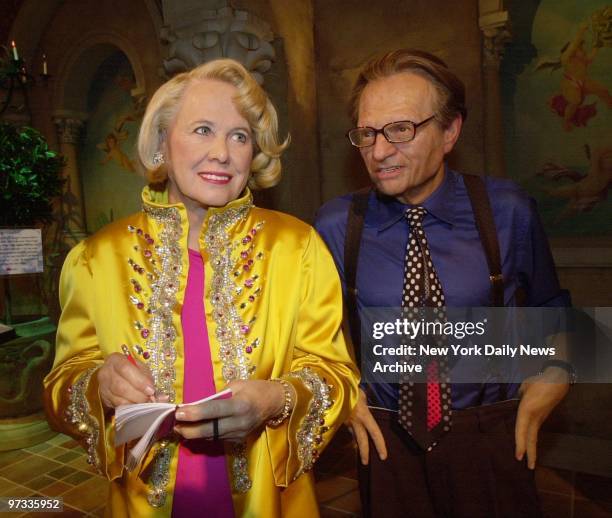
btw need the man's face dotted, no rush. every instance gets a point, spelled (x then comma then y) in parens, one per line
(408, 171)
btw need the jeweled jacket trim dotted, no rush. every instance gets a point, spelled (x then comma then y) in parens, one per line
(310, 434)
(78, 413)
(160, 333)
(231, 330)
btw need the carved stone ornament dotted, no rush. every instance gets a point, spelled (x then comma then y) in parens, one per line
(222, 33)
(68, 129)
(494, 44)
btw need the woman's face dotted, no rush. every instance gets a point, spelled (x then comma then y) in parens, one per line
(209, 147)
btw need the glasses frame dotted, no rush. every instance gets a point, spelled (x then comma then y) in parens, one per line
(376, 131)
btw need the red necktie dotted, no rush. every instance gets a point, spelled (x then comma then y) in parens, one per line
(424, 408)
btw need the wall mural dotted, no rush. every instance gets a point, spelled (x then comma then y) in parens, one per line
(557, 78)
(111, 182)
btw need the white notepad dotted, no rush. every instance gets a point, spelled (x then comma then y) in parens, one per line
(144, 420)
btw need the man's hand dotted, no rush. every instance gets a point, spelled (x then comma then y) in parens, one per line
(253, 402)
(539, 396)
(363, 424)
(121, 382)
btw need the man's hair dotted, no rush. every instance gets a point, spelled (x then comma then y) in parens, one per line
(450, 98)
(251, 102)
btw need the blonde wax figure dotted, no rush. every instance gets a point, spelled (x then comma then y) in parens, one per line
(205, 291)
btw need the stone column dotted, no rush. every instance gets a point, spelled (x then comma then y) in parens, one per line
(494, 25)
(73, 210)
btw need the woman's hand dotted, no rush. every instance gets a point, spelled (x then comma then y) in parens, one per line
(121, 382)
(253, 402)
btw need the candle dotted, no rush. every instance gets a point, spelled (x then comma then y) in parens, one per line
(15, 55)
(45, 72)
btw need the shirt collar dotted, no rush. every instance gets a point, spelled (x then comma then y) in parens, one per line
(157, 196)
(441, 205)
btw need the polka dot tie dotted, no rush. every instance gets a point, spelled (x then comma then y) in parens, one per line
(424, 408)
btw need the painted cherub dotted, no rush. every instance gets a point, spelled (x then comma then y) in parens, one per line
(576, 85)
(112, 145)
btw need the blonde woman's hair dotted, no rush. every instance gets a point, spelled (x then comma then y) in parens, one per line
(251, 102)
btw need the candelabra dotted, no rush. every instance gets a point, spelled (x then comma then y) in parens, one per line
(15, 78)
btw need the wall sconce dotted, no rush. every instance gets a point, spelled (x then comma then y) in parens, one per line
(14, 77)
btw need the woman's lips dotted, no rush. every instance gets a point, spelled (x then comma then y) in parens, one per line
(216, 178)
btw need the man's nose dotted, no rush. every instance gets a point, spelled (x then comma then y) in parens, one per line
(382, 148)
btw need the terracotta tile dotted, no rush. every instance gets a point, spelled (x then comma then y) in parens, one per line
(57, 488)
(334, 487)
(81, 463)
(11, 457)
(67, 457)
(38, 447)
(38, 513)
(61, 472)
(59, 439)
(349, 503)
(77, 478)
(19, 491)
(68, 512)
(70, 444)
(99, 512)
(87, 496)
(7, 487)
(53, 452)
(593, 487)
(554, 480)
(28, 469)
(39, 483)
(555, 505)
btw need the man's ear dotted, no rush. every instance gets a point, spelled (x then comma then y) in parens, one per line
(451, 134)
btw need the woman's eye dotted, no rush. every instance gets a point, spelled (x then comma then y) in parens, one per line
(203, 130)
(243, 138)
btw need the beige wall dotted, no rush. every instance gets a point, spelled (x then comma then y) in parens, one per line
(320, 46)
(292, 87)
(349, 32)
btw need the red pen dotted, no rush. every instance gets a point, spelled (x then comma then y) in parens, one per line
(131, 359)
(126, 351)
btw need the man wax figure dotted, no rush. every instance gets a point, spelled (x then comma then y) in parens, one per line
(420, 246)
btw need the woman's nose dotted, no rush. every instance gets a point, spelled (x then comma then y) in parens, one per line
(218, 149)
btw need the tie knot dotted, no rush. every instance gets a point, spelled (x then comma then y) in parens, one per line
(416, 214)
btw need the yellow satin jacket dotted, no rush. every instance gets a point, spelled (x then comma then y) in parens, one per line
(273, 310)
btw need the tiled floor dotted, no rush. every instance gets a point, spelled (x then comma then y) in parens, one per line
(58, 468)
(53, 468)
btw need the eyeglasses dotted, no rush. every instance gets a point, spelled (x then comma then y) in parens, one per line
(394, 132)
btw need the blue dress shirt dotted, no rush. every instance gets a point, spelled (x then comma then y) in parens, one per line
(458, 258)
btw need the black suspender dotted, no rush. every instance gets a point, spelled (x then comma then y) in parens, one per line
(483, 215)
(485, 224)
(352, 242)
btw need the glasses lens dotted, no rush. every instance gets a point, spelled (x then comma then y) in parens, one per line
(401, 131)
(362, 137)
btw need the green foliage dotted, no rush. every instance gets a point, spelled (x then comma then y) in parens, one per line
(29, 177)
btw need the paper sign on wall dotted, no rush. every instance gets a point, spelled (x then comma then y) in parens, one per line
(20, 251)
